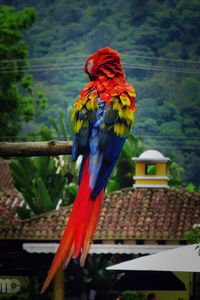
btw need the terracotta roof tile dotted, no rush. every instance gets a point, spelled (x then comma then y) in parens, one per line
(154, 214)
(5, 175)
(10, 200)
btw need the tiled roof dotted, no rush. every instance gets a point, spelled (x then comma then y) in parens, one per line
(154, 214)
(5, 175)
(10, 200)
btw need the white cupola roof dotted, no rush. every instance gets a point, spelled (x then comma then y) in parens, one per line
(151, 155)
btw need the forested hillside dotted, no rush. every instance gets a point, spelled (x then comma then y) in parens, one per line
(159, 43)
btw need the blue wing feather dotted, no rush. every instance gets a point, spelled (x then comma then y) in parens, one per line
(102, 145)
(110, 154)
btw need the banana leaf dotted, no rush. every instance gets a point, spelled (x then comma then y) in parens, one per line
(42, 196)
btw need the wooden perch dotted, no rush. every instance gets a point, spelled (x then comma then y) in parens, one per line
(50, 148)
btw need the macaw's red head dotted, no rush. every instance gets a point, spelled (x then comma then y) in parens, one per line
(104, 62)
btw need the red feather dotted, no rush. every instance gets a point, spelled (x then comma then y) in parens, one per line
(80, 228)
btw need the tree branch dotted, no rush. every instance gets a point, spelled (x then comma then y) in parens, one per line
(50, 148)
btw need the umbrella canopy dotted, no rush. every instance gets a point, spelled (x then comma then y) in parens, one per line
(149, 280)
(181, 259)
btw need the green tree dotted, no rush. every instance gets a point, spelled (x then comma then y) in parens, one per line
(176, 173)
(18, 103)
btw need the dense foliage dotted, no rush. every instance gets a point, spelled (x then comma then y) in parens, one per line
(159, 44)
(18, 100)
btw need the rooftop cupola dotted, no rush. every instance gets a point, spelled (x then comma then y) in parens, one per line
(151, 170)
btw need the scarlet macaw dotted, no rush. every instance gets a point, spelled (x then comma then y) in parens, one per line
(102, 116)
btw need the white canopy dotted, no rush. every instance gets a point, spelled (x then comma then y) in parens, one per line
(181, 259)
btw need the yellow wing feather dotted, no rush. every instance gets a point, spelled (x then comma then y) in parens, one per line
(121, 101)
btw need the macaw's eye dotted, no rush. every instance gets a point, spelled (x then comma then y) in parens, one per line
(90, 65)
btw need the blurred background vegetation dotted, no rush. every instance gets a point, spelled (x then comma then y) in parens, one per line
(43, 47)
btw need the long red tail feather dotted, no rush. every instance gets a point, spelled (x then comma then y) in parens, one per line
(80, 228)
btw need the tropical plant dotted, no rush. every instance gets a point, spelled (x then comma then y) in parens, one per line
(46, 182)
(64, 130)
(40, 183)
(97, 277)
